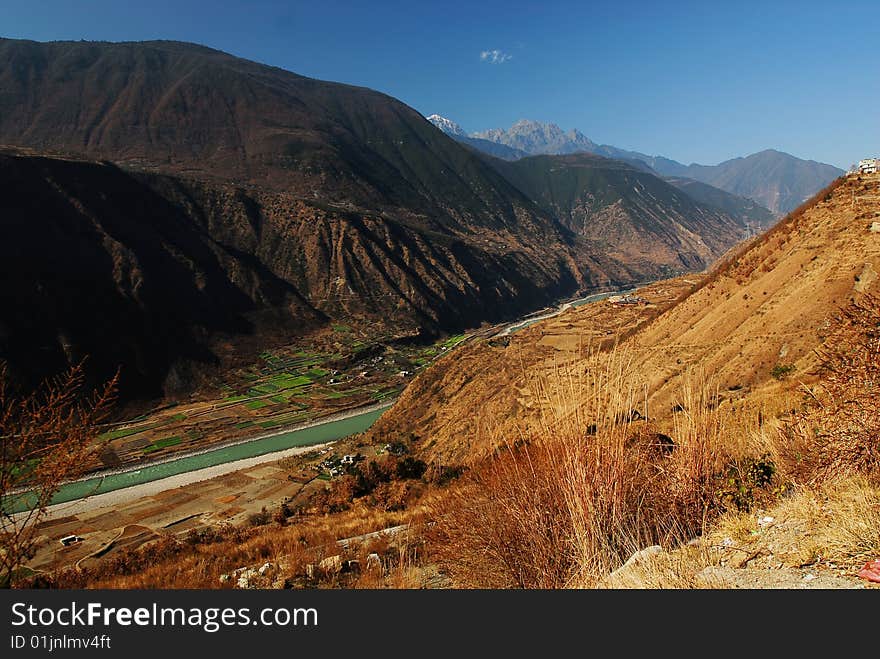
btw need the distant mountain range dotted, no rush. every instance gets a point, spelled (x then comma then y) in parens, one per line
(169, 207)
(748, 212)
(536, 138)
(778, 181)
(496, 149)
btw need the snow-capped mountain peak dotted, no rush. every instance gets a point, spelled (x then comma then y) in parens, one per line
(535, 137)
(447, 125)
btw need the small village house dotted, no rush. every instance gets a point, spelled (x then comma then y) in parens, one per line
(869, 165)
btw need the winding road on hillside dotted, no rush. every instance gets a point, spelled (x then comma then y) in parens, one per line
(531, 320)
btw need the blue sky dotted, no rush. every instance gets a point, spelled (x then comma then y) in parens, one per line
(695, 81)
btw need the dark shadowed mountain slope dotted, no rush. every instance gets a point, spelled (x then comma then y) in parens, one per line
(184, 108)
(96, 264)
(155, 272)
(380, 216)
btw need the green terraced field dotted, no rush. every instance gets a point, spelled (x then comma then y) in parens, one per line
(126, 432)
(264, 388)
(159, 444)
(288, 381)
(453, 341)
(292, 377)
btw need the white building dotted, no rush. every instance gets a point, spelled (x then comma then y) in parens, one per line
(869, 166)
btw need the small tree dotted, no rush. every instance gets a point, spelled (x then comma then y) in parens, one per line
(45, 438)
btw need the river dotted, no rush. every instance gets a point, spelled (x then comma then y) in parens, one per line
(318, 433)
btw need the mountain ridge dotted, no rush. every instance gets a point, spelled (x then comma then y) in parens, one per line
(536, 138)
(495, 149)
(774, 179)
(777, 180)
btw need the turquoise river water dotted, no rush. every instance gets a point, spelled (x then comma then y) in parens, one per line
(317, 434)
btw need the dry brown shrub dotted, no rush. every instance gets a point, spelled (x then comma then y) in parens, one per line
(198, 559)
(574, 501)
(46, 436)
(838, 434)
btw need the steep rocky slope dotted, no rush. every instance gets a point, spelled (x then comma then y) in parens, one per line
(628, 213)
(152, 271)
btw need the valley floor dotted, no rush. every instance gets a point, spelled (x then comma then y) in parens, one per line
(231, 494)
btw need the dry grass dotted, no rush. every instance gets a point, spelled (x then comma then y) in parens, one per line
(732, 263)
(675, 570)
(836, 523)
(835, 527)
(571, 503)
(197, 560)
(843, 518)
(849, 531)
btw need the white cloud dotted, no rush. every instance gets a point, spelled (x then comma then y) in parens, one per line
(495, 56)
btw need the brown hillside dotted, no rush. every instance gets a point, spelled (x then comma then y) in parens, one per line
(752, 323)
(480, 393)
(768, 308)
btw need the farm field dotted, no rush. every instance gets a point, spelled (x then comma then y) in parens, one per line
(331, 372)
